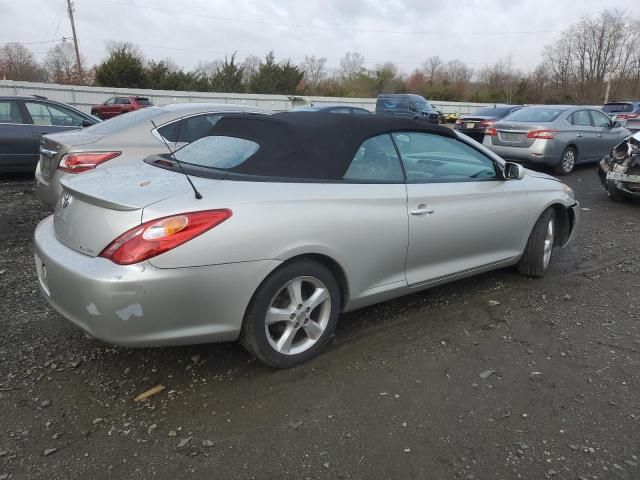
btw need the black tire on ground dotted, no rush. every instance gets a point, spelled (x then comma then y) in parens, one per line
(567, 161)
(532, 261)
(614, 194)
(254, 336)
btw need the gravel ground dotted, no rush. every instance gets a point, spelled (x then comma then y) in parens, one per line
(495, 377)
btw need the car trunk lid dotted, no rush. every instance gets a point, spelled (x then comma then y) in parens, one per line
(97, 207)
(514, 134)
(54, 146)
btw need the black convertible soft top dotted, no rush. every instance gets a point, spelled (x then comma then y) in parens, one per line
(314, 145)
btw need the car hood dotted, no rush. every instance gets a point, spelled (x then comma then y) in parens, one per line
(533, 173)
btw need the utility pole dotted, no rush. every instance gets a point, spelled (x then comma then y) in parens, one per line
(606, 95)
(75, 39)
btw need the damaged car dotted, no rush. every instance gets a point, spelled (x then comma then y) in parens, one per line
(620, 171)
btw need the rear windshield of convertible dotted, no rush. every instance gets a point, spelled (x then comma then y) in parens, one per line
(217, 151)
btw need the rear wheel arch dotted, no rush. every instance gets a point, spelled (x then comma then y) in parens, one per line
(331, 264)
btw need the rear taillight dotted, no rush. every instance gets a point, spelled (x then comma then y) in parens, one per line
(161, 235)
(491, 131)
(626, 116)
(542, 134)
(458, 122)
(81, 162)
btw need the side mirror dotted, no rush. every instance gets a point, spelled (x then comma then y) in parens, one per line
(513, 171)
(86, 123)
(616, 124)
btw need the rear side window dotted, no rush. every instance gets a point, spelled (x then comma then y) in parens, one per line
(430, 158)
(47, 114)
(217, 151)
(143, 101)
(580, 119)
(376, 161)
(123, 101)
(189, 129)
(535, 115)
(9, 112)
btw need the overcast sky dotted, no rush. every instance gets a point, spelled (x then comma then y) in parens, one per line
(478, 32)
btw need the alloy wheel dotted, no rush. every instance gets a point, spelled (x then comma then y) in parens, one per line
(548, 244)
(568, 160)
(298, 315)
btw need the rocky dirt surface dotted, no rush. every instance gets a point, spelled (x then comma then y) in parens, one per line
(495, 377)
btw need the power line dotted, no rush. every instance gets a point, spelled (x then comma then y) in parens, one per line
(62, 39)
(319, 27)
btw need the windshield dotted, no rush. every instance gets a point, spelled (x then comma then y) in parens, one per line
(534, 115)
(122, 122)
(217, 151)
(617, 107)
(493, 112)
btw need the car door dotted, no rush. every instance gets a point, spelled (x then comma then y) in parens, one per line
(109, 108)
(462, 215)
(608, 136)
(18, 148)
(50, 118)
(584, 134)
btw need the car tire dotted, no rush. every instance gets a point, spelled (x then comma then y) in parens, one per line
(567, 161)
(537, 254)
(282, 326)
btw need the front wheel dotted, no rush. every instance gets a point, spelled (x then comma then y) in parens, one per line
(292, 314)
(537, 254)
(567, 162)
(613, 193)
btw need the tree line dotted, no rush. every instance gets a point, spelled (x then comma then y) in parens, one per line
(575, 69)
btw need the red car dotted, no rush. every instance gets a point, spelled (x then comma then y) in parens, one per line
(118, 105)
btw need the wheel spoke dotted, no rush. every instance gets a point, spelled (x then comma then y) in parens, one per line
(286, 339)
(276, 315)
(295, 292)
(313, 330)
(319, 296)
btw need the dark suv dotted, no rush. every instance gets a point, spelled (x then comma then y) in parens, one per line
(406, 105)
(23, 121)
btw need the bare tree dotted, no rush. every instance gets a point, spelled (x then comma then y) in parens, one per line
(351, 65)
(60, 64)
(314, 71)
(590, 50)
(433, 69)
(250, 66)
(18, 63)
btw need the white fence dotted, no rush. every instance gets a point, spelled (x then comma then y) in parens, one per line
(83, 97)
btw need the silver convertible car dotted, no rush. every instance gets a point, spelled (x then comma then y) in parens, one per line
(290, 220)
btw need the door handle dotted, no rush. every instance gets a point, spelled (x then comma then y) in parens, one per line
(422, 209)
(579, 135)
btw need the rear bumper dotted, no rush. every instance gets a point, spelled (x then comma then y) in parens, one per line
(141, 305)
(48, 190)
(540, 152)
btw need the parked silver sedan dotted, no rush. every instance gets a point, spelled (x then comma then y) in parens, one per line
(555, 136)
(290, 220)
(122, 139)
